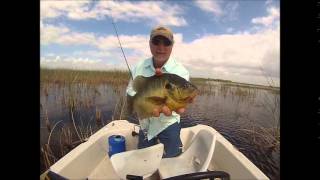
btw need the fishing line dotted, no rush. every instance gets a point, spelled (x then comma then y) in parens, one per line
(114, 26)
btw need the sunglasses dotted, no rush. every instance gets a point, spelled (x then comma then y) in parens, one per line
(157, 41)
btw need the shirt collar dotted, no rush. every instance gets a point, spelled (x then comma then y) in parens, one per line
(167, 66)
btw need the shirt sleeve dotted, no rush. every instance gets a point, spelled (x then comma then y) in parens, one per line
(186, 75)
(183, 72)
(130, 91)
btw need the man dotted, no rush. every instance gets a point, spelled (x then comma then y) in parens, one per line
(165, 125)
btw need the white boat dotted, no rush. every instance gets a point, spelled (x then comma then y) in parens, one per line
(205, 153)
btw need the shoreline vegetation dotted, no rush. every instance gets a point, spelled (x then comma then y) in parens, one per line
(121, 77)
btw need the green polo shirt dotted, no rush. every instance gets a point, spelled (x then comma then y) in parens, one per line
(155, 125)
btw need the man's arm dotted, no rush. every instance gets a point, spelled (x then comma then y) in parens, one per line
(130, 93)
(129, 97)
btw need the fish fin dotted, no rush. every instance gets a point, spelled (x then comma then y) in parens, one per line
(157, 100)
(139, 83)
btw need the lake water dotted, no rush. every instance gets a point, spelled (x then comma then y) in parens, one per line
(247, 117)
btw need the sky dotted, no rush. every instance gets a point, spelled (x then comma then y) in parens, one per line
(219, 39)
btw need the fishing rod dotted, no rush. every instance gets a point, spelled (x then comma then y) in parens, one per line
(128, 100)
(114, 26)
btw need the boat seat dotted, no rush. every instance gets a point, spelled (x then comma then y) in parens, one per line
(140, 162)
(195, 159)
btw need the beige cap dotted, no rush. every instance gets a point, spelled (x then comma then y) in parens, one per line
(162, 31)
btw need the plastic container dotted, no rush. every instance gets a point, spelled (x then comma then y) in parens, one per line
(117, 144)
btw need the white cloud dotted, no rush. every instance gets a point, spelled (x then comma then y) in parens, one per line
(151, 12)
(76, 38)
(244, 57)
(210, 6)
(272, 17)
(73, 63)
(133, 42)
(53, 9)
(62, 35)
(48, 11)
(50, 33)
(271, 64)
(222, 10)
(154, 12)
(92, 53)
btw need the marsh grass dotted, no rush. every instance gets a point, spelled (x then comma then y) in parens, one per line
(67, 76)
(79, 90)
(67, 137)
(268, 138)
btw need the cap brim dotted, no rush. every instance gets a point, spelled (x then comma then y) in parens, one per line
(163, 35)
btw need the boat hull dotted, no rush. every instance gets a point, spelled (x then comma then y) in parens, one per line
(90, 160)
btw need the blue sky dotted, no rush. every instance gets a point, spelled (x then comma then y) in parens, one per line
(234, 40)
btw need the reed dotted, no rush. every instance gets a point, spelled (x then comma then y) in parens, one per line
(80, 89)
(66, 143)
(48, 155)
(268, 138)
(74, 125)
(120, 108)
(48, 125)
(67, 76)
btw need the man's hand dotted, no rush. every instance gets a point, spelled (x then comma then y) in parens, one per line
(166, 111)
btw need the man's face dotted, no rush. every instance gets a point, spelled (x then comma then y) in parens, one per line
(160, 48)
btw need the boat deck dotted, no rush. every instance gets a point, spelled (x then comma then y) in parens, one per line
(90, 160)
(104, 170)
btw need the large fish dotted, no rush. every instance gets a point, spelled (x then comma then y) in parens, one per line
(156, 91)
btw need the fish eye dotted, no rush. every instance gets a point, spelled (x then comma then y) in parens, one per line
(187, 85)
(168, 86)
